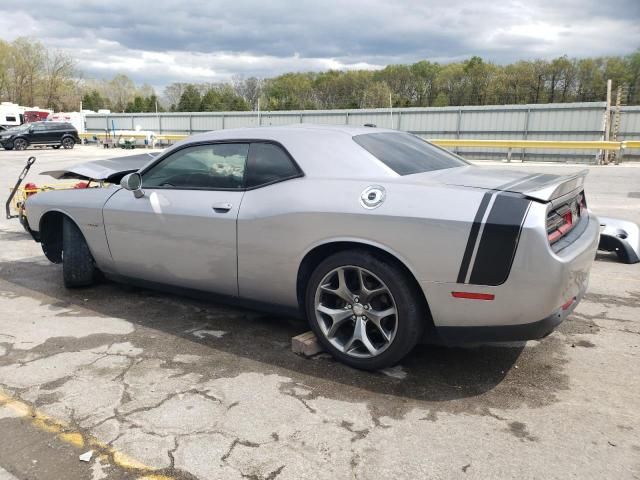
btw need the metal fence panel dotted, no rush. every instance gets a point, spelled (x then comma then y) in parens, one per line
(206, 123)
(241, 121)
(570, 121)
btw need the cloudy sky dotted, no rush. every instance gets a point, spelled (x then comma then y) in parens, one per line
(163, 41)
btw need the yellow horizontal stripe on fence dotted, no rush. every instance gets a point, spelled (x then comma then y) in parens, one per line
(443, 142)
(547, 144)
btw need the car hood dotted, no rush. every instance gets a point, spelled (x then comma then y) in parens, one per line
(108, 170)
(538, 186)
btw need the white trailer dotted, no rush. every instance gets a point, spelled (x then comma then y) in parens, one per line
(11, 115)
(74, 118)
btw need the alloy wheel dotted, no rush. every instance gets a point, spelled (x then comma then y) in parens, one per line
(356, 312)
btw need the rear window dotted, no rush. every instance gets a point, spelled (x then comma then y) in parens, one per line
(406, 154)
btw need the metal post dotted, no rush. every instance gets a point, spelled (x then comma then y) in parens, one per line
(458, 125)
(391, 110)
(190, 124)
(259, 118)
(399, 120)
(607, 122)
(526, 132)
(346, 120)
(222, 121)
(509, 150)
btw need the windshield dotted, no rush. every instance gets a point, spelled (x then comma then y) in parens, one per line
(19, 128)
(407, 154)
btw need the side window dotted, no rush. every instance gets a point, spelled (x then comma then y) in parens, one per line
(269, 163)
(10, 119)
(39, 127)
(214, 166)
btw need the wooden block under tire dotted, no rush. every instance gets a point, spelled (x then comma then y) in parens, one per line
(306, 344)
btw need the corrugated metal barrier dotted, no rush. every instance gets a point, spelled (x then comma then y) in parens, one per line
(546, 132)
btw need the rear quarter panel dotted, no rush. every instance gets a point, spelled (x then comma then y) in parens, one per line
(424, 226)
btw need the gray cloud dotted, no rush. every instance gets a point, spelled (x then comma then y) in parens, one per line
(163, 41)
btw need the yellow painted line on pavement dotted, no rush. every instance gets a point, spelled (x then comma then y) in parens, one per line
(65, 433)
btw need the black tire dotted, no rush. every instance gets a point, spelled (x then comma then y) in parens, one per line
(78, 266)
(56, 147)
(411, 313)
(68, 143)
(20, 144)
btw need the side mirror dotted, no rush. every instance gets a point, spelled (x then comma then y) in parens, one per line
(133, 183)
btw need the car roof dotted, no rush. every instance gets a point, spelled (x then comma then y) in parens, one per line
(283, 131)
(320, 150)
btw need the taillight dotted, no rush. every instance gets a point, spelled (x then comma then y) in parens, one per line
(562, 220)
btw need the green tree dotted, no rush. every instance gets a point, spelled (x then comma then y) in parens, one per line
(424, 77)
(291, 91)
(376, 95)
(189, 100)
(93, 101)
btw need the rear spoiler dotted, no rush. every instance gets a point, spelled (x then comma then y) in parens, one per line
(557, 188)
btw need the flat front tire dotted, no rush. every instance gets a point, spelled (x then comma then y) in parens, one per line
(364, 310)
(78, 266)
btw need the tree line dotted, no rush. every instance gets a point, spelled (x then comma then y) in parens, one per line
(31, 74)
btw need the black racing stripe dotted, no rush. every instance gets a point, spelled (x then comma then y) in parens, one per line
(473, 236)
(499, 240)
(537, 182)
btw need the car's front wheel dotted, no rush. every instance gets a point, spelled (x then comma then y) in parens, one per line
(20, 144)
(364, 310)
(68, 142)
(78, 266)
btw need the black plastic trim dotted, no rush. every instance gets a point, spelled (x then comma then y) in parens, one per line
(501, 333)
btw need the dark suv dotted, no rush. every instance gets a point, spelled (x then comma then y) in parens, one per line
(54, 134)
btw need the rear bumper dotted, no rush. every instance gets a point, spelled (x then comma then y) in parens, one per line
(509, 333)
(529, 304)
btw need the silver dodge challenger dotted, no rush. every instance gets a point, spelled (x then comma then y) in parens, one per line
(379, 238)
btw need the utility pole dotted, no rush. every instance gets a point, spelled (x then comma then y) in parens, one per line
(607, 122)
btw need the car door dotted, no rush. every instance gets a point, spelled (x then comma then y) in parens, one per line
(267, 224)
(182, 231)
(38, 133)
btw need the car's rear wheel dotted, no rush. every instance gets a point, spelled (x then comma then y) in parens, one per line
(364, 310)
(20, 144)
(78, 266)
(68, 142)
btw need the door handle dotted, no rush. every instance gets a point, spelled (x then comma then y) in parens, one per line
(221, 207)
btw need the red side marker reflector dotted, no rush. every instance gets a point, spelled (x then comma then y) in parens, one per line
(473, 295)
(569, 303)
